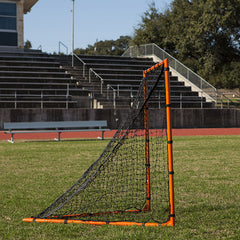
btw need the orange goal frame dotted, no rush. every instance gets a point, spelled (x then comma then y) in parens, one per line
(171, 220)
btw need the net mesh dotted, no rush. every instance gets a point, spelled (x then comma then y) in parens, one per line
(115, 187)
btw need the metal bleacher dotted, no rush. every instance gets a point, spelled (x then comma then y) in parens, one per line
(114, 81)
(32, 79)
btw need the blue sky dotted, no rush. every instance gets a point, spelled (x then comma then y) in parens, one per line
(50, 21)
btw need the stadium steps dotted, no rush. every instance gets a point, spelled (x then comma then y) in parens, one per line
(32, 79)
(124, 75)
(35, 79)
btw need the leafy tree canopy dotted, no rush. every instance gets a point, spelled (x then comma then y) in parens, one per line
(203, 34)
(27, 45)
(108, 47)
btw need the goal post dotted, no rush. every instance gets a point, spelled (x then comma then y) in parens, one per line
(131, 183)
(171, 220)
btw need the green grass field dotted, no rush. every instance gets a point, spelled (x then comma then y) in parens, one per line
(207, 189)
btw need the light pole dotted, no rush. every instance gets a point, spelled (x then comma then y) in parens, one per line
(72, 32)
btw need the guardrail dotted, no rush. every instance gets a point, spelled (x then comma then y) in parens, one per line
(91, 71)
(79, 59)
(108, 87)
(102, 87)
(114, 95)
(225, 101)
(39, 48)
(59, 47)
(185, 72)
(37, 98)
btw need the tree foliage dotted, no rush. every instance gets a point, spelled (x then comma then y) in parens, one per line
(203, 34)
(108, 47)
(27, 45)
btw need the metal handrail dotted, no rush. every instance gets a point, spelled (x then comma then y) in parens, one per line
(36, 96)
(59, 47)
(114, 94)
(83, 63)
(97, 75)
(185, 72)
(226, 101)
(39, 47)
(102, 82)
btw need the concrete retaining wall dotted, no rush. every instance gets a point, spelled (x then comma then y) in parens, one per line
(181, 118)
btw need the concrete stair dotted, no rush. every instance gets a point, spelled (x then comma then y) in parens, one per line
(32, 79)
(124, 75)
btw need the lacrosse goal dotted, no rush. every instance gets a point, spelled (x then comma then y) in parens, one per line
(131, 183)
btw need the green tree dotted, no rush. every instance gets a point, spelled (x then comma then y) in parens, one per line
(229, 77)
(206, 31)
(203, 34)
(154, 28)
(107, 47)
(27, 45)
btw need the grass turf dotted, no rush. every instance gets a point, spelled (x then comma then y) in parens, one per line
(207, 187)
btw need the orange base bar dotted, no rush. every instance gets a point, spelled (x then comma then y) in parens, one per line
(42, 220)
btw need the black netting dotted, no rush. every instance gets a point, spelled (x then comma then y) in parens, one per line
(114, 187)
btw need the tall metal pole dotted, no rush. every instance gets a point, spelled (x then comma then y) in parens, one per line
(72, 32)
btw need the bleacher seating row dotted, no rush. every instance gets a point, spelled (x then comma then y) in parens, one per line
(37, 80)
(105, 74)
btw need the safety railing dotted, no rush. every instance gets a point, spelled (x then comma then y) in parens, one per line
(109, 87)
(81, 61)
(103, 89)
(180, 101)
(185, 72)
(63, 45)
(40, 48)
(92, 72)
(15, 98)
(225, 101)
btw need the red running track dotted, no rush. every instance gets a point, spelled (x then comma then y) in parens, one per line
(109, 134)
